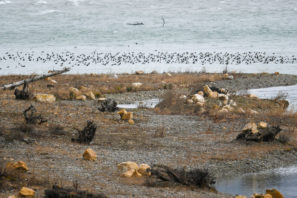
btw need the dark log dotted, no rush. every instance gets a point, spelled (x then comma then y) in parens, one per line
(266, 135)
(196, 177)
(87, 134)
(22, 94)
(33, 79)
(58, 192)
(31, 118)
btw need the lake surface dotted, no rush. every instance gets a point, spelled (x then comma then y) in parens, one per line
(282, 179)
(92, 36)
(271, 92)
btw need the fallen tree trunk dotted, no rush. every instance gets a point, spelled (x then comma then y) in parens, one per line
(33, 79)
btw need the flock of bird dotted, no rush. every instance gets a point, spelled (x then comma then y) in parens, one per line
(67, 58)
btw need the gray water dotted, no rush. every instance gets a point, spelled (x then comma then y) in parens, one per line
(150, 103)
(98, 37)
(282, 179)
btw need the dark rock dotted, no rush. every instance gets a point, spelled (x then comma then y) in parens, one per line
(108, 105)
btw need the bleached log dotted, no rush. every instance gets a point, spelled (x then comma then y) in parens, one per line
(33, 79)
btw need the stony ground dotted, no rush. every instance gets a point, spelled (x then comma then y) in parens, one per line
(173, 140)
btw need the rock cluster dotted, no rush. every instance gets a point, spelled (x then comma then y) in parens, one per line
(83, 93)
(131, 169)
(199, 98)
(20, 165)
(126, 116)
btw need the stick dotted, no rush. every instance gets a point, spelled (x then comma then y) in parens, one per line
(33, 79)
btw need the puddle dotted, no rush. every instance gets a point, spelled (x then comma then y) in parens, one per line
(282, 179)
(150, 103)
(271, 92)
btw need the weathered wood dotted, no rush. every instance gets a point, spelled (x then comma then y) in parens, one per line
(33, 79)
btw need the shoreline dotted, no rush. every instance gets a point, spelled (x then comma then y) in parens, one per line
(189, 141)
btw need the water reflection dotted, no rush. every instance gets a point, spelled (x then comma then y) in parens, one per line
(284, 180)
(272, 92)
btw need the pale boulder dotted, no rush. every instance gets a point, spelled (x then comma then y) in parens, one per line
(90, 95)
(47, 98)
(90, 154)
(262, 125)
(198, 98)
(27, 192)
(84, 89)
(223, 97)
(81, 97)
(251, 126)
(143, 169)
(130, 169)
(137, 84)
(74, 92)
(183, 97)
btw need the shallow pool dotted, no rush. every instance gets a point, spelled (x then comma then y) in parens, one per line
(282, 179)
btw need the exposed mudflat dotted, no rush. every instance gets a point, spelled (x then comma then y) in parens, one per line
(174, 140)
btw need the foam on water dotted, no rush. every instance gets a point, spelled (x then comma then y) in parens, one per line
(3, 2)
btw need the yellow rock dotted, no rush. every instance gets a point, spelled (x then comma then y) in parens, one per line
(90, 95)
(251, 126)
(128, 165)
(27, 192)
(74, 92)
(137, 84)
(240, 196)
(267, 196)
(276, 73)
(274, 193)
(262, 125)
(207, 90)
(125, 115)
(12, 196)
(143, 169)
(83, 89)
(214, 94)
(20, 165)
(81, 97)
(49, 98)
(90, 154)
(131, 122)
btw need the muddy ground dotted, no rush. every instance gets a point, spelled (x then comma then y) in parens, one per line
(173, 140)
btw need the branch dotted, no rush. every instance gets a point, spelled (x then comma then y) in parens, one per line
(33, 79)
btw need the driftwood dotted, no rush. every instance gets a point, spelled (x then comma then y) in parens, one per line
(58, 192)
(31, 118)
(22, 94)
(161, 174)
(266, 135)
(108, 105)
(87, 134)
(33, 79)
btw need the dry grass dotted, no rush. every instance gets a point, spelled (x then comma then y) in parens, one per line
(104, 84)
